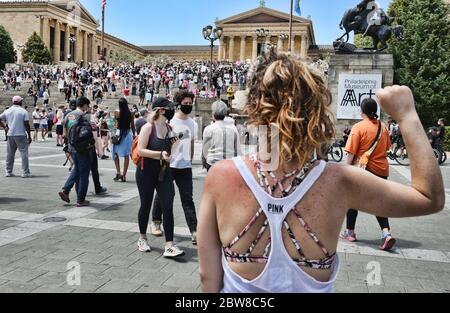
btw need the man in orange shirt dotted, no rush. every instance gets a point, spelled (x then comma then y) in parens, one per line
(361, 140)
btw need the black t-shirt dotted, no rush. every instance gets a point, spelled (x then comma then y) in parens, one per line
(441, 130)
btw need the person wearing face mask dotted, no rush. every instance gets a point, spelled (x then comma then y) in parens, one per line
(153, 174)
(181, 165)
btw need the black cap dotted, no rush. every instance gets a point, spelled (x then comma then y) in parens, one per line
(163, 103)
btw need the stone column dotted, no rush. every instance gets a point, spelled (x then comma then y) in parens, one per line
(57, 45)
(85, 48)
(304, 47)
(242, 52)
(78, 46)
(94, 49)
(219, 57)
(231, 57)
(255, 47)
(292, 43)
(67, 43)
(280, 45)
(46, 31)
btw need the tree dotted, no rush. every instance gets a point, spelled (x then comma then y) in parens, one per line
(362, 42)
(36, 52)
(422, 60)
(124, 57)
(7, 52)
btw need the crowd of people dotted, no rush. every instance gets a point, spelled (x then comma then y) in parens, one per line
(255, 228)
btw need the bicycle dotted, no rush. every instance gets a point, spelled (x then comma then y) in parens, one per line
(400, 155)
(336, 152)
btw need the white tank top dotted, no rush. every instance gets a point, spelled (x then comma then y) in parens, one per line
(281, 274)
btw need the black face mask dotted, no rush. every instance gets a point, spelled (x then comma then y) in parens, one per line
(186, 109)
(169, 114)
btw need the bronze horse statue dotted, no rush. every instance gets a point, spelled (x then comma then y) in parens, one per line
(357, 20)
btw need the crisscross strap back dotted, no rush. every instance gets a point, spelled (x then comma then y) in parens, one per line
(270, 219)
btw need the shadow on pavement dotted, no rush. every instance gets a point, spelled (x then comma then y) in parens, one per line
(401, 243)
(11, 200)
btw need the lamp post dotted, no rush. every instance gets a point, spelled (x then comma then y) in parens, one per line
(211, 35)
(72, 41)
(262, 33)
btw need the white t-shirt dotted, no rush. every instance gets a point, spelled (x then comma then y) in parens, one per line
(15, 117)
(181, 151)
(36, 117)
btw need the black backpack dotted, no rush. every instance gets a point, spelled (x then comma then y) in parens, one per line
(80, 135)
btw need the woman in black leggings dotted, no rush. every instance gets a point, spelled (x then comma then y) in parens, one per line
(153, 173)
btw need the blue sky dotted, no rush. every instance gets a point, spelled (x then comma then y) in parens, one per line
(180, 22)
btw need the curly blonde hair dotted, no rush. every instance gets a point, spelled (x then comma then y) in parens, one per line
(287, 92)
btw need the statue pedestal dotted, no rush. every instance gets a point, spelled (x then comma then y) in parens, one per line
(358, 64)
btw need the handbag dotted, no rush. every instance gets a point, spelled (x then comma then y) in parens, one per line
(364, 160)
(116, 138)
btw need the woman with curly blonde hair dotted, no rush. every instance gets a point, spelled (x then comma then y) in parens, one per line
(276, 229)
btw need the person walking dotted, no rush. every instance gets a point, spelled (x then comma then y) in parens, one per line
(43, 124)
(124, 139)
(77, 124)
(59, 126)
(19, 136)
(367, 147)
(274, 227)
(220, 140)
(181, 165)
(153, 174)
(36, 115)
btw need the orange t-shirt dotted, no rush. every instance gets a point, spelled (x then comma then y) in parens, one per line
(362, 137)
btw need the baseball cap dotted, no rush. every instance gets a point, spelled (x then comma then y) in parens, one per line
(17, 99)
(163, 103)
(142, 112)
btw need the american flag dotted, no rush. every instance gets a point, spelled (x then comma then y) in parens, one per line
(103, 4)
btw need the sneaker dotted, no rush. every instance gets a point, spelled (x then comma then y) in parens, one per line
(387, 243)
(64, 196)
(83, 204)
(346, 235)
(155, 229)
(143, 246)
(194, 238)
(29, 175)
(104, 157)
(10, 175)
(102, 191)
(172, 252)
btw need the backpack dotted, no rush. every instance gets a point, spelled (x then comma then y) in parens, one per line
(135, 155)
(80, 135)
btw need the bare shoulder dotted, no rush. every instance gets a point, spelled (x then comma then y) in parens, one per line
(336, 173)
(223, 177)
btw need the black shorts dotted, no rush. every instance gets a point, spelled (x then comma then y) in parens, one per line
(36, 126)
(59, 130)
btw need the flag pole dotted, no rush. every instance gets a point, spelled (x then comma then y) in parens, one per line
(103, 32)
(290, 25)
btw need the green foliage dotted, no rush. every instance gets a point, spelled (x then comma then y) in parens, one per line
(7, 52)
(447, 139)
(362, 42)
(422, 60)
(124, 57)
(36, 52)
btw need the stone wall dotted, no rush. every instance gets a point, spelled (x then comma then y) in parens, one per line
(20, 25)
(356, 64)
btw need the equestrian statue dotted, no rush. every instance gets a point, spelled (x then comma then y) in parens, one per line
(368, 20)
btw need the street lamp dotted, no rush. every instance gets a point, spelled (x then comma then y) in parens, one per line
(262, 33)
(72, 41)
(211, 34)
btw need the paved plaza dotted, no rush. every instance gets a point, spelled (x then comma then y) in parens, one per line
(38, 256)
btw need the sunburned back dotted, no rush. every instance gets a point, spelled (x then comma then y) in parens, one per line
(314, 223)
